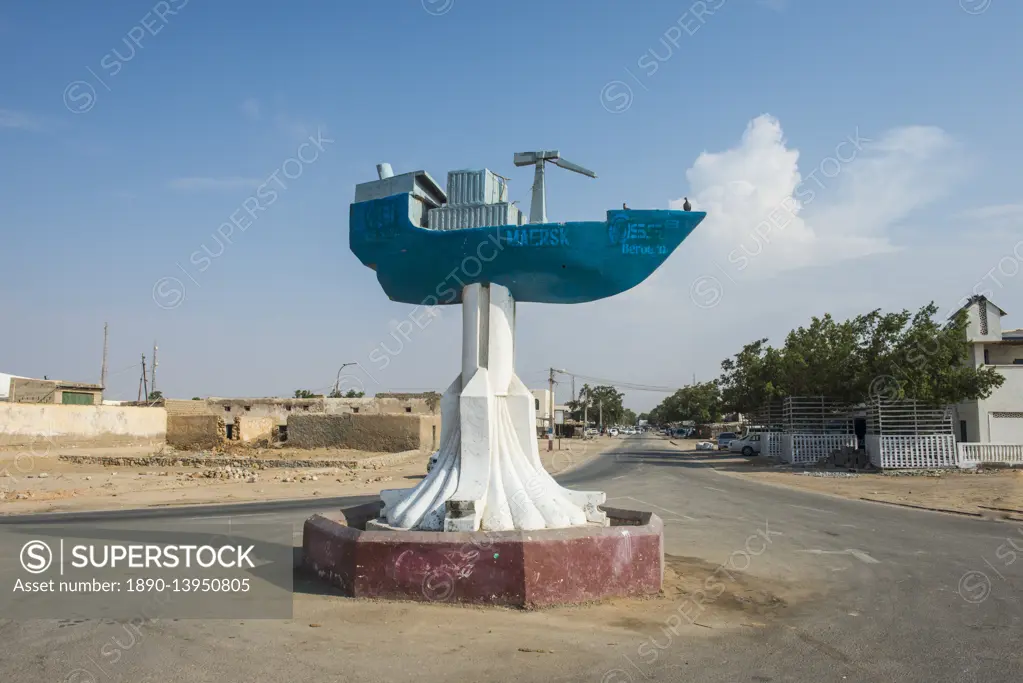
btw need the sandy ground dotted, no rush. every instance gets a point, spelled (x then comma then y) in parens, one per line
(40, 482)
(956, 491)
(974, 493)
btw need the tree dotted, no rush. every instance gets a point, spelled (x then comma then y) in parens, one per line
(155, 395)
(304, 393)
(578, 407)
(352, 393)
(196, 398)
(629, 417)
(877, 355)
(591, 399)
(699, 403)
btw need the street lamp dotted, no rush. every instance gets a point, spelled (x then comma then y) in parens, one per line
(337, 382)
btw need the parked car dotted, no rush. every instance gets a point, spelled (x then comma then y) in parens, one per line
(748, 445)
(725, 438)
(614, 431)
(704, 446)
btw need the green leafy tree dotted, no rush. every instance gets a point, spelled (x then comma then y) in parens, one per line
(155, 395)
(580, 407)
(304, 393)
(591, 400)
(699, 403)
(351, 393)
(877, 355)
(629, 417)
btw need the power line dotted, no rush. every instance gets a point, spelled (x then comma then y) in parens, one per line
(633, 386)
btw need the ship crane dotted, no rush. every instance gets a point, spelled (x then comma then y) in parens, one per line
(538, 205)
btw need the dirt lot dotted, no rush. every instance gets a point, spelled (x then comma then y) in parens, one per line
(974, 493)
(956, 491)
(40, 481)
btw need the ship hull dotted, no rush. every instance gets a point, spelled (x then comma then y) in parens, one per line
(563, 263)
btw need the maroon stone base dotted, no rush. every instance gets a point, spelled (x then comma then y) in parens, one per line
(519, 568)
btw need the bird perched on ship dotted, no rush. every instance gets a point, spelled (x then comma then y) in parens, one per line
(686, 206)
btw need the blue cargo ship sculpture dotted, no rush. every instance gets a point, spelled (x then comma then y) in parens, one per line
(473, 247)
(553, 263)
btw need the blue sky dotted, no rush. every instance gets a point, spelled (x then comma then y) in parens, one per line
(121, 160)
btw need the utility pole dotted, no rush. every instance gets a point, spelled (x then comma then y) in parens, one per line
(551, 412)
(152, 372)
(586, 409)
(601, 413)
(145, 384)
(103, 370)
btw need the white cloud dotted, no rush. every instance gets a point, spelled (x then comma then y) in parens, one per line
(766, 213)
(250, 108)
(225, 183)
(19, 120)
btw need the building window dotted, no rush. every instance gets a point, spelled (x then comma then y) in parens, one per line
(987, 357)
(962, 431)
(227, 409)
(248, 408)
(537, 403)
(305, 408)
(355, 410)
(408, 409)
(289, 408)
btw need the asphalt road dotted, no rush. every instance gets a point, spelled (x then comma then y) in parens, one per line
(877, 593)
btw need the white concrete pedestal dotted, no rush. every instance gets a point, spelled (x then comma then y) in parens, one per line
(488, 474)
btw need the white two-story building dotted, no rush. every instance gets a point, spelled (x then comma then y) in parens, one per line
(997, 419)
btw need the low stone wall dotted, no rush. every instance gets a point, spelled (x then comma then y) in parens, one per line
(375, 462)
(195, 432)
(375, 433)
(95, 426)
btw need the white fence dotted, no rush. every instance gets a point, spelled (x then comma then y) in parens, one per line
(807, 448)
(973, 454)
(771, 444)
(907, 452)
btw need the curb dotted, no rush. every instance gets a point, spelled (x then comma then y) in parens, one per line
(924, 507)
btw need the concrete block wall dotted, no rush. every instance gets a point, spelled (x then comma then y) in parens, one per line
(95, 426)
(195, 432)
(374, 433)
(384, 404)
(280, 409)
(178, 406)
(248, 429)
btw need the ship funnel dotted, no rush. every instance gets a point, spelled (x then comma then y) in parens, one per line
(384, 171)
